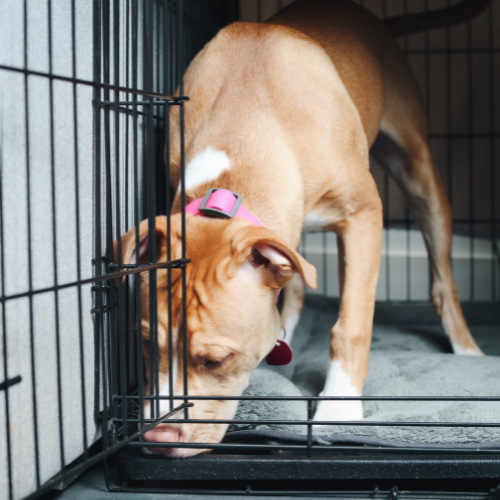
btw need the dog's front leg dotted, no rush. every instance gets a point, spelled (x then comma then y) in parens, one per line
(359, 260)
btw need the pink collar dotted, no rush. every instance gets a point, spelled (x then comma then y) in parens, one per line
(221, 203)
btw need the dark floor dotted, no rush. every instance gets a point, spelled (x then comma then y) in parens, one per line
(91, 486)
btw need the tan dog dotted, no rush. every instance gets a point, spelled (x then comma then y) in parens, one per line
(285, 114)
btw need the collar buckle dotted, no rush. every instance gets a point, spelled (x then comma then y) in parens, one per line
(217, 201)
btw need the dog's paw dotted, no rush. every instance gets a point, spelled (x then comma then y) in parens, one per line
(469, 351)
(340, 411)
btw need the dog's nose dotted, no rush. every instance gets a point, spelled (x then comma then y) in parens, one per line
(163, 433)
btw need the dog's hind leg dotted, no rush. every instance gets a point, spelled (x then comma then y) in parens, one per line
(403, 150)
(293, 302)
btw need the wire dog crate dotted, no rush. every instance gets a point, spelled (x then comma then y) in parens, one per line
(89, 142)
(235, 463)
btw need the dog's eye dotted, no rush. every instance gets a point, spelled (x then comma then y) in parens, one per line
(211, 364)
(146, 344)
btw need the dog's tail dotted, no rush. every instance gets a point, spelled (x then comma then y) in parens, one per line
(436, 19)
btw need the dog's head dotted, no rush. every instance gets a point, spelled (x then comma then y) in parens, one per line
(232, 321)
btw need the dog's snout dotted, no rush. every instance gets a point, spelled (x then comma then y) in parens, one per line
(163, 433)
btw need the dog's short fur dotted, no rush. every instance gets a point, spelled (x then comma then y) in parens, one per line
(286, 114)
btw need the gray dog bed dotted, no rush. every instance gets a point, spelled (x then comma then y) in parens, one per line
(405, 361)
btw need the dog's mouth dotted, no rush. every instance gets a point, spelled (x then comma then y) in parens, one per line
(174, 452)
(170, 434)
(166, 436)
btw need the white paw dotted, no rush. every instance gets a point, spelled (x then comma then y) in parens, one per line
(467, 351)
(341, 411)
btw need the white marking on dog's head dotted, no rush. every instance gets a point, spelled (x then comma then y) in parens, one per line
(163, 380)
(164, 390)
(206, 166)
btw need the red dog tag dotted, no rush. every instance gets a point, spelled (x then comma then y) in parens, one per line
(282, 354)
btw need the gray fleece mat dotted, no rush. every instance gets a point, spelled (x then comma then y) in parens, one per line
(405, 361)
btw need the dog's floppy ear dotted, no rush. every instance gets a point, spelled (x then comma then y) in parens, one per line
(128, 243)
(271, 257)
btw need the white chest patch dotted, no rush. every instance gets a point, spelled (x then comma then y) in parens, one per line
(206, 166)
(314, 221)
